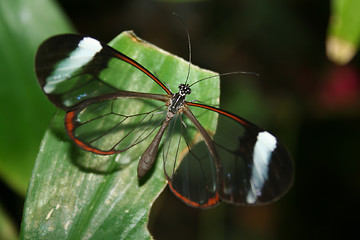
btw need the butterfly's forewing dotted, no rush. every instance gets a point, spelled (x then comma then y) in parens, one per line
(67, 67)
(73, 68)
(248, 166)
(256, 168)
(80, 75)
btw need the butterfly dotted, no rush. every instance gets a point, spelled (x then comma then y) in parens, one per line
(229, 159)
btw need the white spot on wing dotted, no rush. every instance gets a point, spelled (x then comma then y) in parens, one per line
(264, 146)
(84, 53)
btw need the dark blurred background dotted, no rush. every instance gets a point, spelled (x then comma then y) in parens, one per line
(310, 103)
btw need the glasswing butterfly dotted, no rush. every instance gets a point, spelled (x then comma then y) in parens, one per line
(239, 163)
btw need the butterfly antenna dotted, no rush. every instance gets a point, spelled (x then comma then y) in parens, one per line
(189, 43)
(226, 74)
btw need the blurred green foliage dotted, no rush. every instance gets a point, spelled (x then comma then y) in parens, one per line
(25, 111)
(7, 226)
(344, 30)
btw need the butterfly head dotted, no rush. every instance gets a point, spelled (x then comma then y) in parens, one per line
(184, 89)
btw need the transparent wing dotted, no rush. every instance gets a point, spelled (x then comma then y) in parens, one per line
(115, 123)
(256, 168)
(72, 68)
(188, 164)
(239, 164)
(81, 75)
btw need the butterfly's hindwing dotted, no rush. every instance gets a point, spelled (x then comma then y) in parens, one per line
(189, 168)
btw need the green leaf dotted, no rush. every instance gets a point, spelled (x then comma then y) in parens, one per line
(344, 31)
(75, 194)
(25, 112)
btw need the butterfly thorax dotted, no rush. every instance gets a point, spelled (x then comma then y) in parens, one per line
(178, 99)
